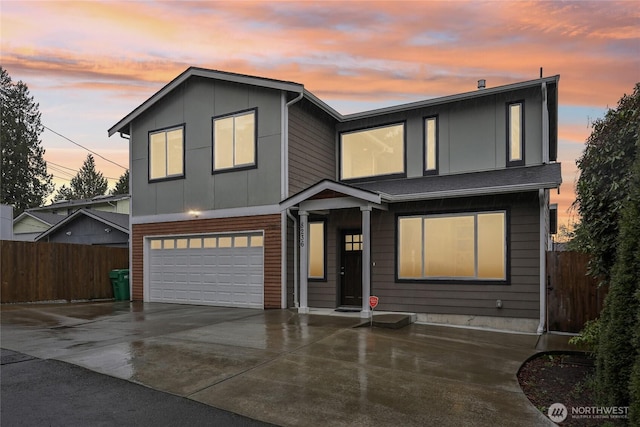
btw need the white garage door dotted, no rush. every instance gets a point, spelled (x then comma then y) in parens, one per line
(223, 270)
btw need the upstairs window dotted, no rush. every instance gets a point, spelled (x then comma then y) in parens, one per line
(515, 134)
(234, 141)
(166, 153)
(372, 152)
(465, 246)
(431, 146)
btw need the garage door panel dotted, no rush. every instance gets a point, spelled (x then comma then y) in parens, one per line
(190, 270)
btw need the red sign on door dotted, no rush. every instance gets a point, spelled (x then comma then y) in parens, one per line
(373, 301)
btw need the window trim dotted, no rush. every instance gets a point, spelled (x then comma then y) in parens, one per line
(324, 254)
(436, 170)
(253, 165)
(521, 161)
(462, 280)
(402, 174)
(184, 143)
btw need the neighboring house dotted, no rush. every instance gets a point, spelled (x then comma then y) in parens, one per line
(6, 222)
(90, 227)
(252, 192)
(33, 222)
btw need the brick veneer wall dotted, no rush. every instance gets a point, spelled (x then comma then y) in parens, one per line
(272, 247)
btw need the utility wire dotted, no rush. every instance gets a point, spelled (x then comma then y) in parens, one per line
(81, 146)
(57, 168)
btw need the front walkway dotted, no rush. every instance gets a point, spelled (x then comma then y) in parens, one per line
(290, 369)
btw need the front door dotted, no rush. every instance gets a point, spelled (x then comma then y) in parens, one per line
(351, 268)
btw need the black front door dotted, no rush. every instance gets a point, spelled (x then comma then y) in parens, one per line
(351, 268)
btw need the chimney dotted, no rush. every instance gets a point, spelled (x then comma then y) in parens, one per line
(482, 83)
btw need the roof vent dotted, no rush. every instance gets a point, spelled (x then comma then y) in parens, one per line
(482, 83)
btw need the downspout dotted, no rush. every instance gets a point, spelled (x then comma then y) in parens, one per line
(284, 193)
(545, 125)
(542, 195)
(295, 258)
(129, 243)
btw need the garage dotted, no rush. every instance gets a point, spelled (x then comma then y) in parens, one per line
(214, 269)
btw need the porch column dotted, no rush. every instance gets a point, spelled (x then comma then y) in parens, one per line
(304, 259)
(366, 260)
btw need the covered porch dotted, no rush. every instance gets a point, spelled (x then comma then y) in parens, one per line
(353, 266)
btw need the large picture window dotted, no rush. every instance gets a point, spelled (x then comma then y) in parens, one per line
(166, 153)
(372, 152)
(515, 133)
(459, 246)
(234, 141)
(317, 253)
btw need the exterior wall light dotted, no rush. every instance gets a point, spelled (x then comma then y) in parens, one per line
(194, 213)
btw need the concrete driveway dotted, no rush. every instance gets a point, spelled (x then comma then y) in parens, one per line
(289, 369)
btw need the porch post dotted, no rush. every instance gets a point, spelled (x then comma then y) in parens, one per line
(304, 258)
(366, 260)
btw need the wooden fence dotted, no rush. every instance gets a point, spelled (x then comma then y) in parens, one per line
(573, 297)
(39, 271)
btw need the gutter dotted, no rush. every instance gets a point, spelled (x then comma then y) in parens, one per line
(390, 198)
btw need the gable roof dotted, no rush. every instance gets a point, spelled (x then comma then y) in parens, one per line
(328, 185)
(43, 217)
(123, 125)
(82, 202)
(114, 220)
(501, 181)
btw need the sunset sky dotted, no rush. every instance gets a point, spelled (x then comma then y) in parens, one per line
(89, 63)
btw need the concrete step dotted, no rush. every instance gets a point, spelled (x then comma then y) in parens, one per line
(391, 320)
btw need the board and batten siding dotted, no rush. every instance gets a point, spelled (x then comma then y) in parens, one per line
(270, 224)
(520, 298)
(312, 148)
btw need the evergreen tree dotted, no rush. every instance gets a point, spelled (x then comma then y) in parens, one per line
(604, 183)
(122, 186)
(618, 348)
(86, 184)
(25, 182)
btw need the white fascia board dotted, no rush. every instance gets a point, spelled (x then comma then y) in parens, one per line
(218, 213)
(205, 73)
(485, 191)
(450, 98)
(347, 190)
(337, 203)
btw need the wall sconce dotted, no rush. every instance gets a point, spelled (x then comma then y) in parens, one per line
(194, 213)
(68, 233)
(107, 230)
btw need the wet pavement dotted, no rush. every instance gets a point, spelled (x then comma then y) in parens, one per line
(288, 369)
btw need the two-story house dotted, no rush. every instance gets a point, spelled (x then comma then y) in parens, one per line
(252, 192)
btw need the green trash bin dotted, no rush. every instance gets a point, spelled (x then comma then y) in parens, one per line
(120, 283)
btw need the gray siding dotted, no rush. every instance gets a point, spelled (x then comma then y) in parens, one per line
(88, 231)
(471, 134)
(312, 147)
(194, 103)
(520, 298)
